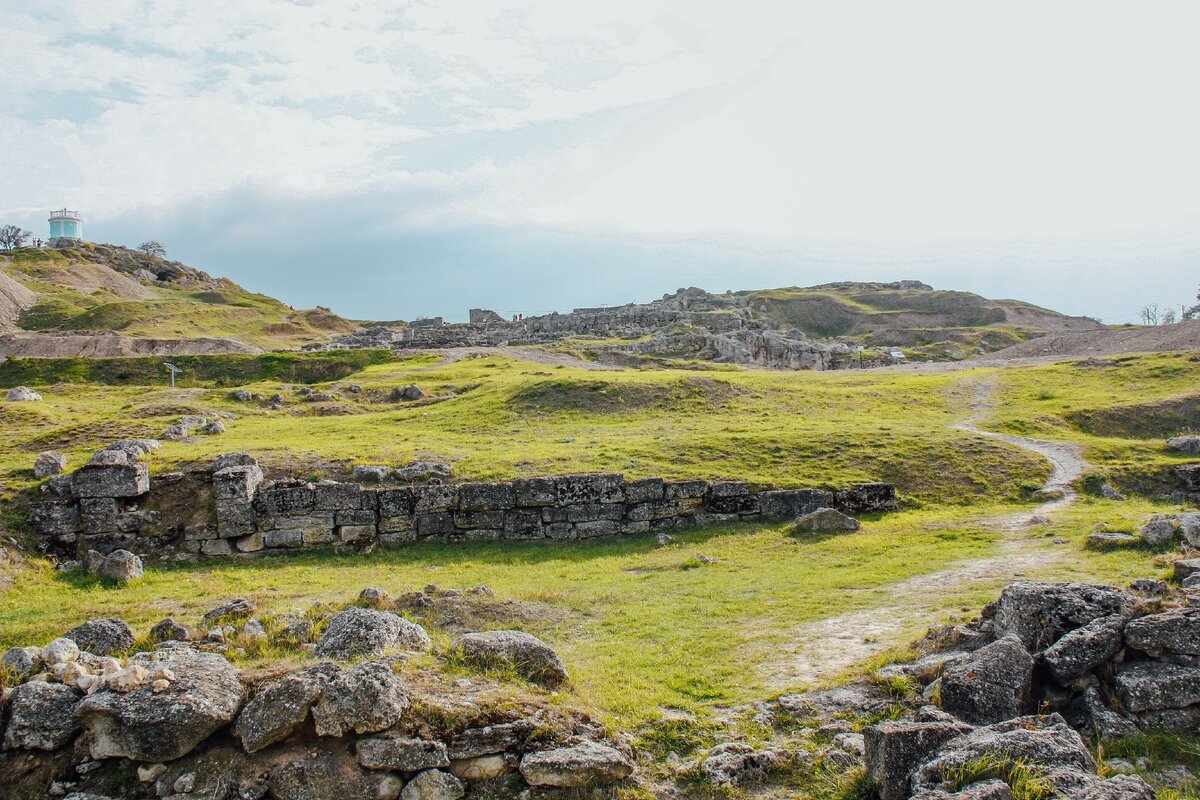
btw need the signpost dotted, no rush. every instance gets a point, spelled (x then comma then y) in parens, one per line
(174, 371)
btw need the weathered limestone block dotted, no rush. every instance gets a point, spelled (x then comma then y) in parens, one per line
(479, 520)
(356, 534)
(395, 502)
(1189, 474)
(486, 496)
(588, 512)
(646, 490)
(402, 755)
(866, 498)
(1084, 649)
(600, 527)
(1173, 631)
(335, 496)
(656, 510)
(282, 538)
(428, 499)
(55, 518)
(237, 484)
(312, 521)
(398, 525)
(359, 517)
(523, 524)
(50, 462)
(792, 503)
(112, 480)
(366, 699)
(284, 500)
(535, 492)
(895, 748)
(235, 519)
(529, 655)
(586, 489)
(584, 764)
(1040, 613)
(990, 685)
(149, 725)
(434, 524)
(731, 504)
(684, 490)
(1153, 686)
(491, 739)
(366, 632)
(277, 709)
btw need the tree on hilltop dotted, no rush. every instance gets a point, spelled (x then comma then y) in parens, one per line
(1194, 311)
(153, 248)
(12, 237)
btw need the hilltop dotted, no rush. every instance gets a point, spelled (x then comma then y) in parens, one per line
(153, 305)
(818, 327)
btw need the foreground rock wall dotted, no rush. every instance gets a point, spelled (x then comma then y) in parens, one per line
(103, 507)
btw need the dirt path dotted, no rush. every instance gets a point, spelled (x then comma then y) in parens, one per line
(822, 649)
(534, 355)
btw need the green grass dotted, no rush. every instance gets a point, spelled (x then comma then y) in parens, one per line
(642, 628)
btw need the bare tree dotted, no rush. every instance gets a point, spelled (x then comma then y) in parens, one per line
(1149, 314)
(1168, 317)
(1193, 312)
(153, 248)
(12, 237)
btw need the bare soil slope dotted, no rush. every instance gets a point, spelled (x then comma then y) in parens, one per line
(1159, 339)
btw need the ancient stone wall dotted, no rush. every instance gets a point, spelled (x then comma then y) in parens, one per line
(107, 506)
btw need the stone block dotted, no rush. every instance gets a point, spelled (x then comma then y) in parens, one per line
(55, 517)
(284, 500)
(130, 521)
(792, 503)
(395, 502)
(356, 517)
(334, 496)
(646, 490)
(866, 498)
(236, 484)
(560, 530)
(731, 504)
(895, 748)
(636, 526)
(522, 524)
(602, 527)
(314, 520)
(728, 489)
(356, 534)
(216, 547)
(235, 519)
(534, 492)
(479, 520)
(654, 510)
(397, 537)
(315, 537)
(98, 514)
(403, 524)
(571, 490)
(283, 538)
(112, 480)
(434, 498)
(684, 490)
(590, 512)
(486, 496)
(249, 544)
(438, 523)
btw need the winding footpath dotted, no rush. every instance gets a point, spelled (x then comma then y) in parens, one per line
(822, 649)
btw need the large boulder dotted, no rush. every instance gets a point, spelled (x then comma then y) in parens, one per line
(102, 637)
(231, 610)
(895, 748)
(585, 764)
(1084, 649)
(277, 708)
(1174, 631)
(1090, 713)
(1159, 532)
(22, 394)
(366, 699)
(823, 520)
(1047, 744)
(50, 462)
(41, 716)
(433, 784)
(990, 685)
(367, 632)
(148, 725)
(1185, 444)
(527, 654)
(1040, 613)
(1153, 686)
(21, 662)
(121, 566)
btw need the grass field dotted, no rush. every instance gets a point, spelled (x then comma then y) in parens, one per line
(642, 628)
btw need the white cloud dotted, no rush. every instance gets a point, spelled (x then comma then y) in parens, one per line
(766, 121)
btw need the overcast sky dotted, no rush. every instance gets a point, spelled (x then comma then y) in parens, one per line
(400, 159)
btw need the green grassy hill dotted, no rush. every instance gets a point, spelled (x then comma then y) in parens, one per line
(909, 314)
(99, 288)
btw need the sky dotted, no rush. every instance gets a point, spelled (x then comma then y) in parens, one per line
(393, 160)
